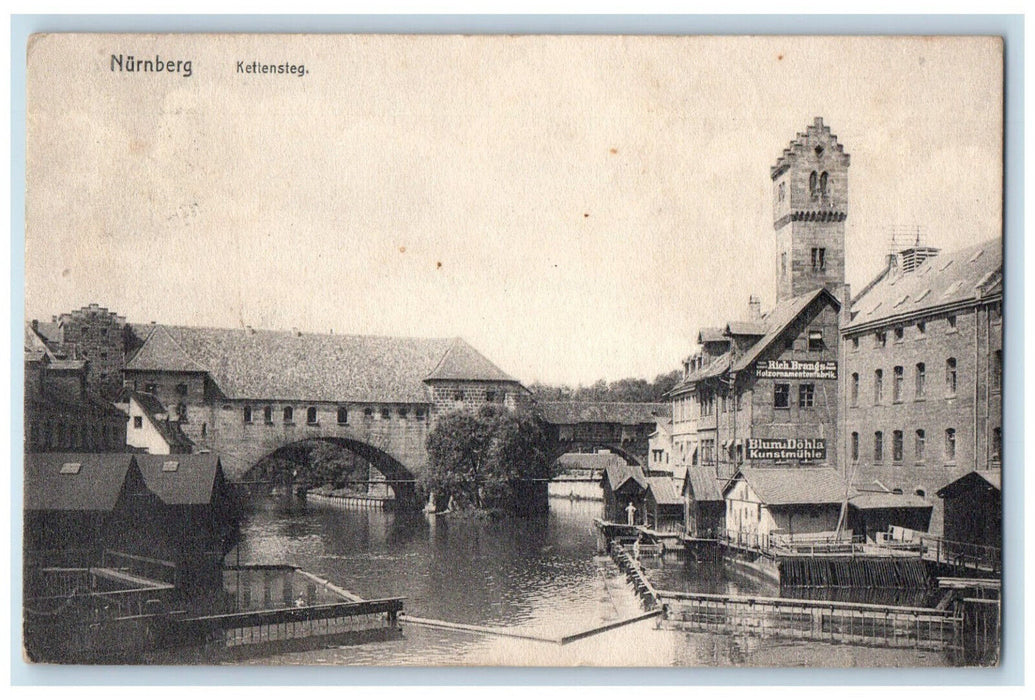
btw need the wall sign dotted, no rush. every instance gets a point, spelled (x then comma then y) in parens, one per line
(801, 449)
(796, 369)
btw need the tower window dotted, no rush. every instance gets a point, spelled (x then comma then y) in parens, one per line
(823, 184)
(855, 447)
(997, 444)
(855, 389)
(813, 181)
(781, 191)
(783, 264)
(950, 445)
(997, 370)
(900, 333)
(951, 320)
(819, 262)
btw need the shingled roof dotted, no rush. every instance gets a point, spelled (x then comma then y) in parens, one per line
(793, 486)
(94, 485)
(279, 365)
(664, 491)
(574, 412)
(704, 483)
(187, 479)
(777, 320)
(946, 280)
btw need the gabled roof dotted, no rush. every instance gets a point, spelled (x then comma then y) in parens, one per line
(984, 480)
(948, 279)
(94, 486)
(704, 483)
(777, 320)
(462, 361)
(574, 412)
(149, 403)
(716, 368)
(191, 482)
(663, 490)
(618, 474)
(816, 134)
(662, 426)
(887, 501)
(792, 486)
(595, 460)
(279, 365)
(711, 335)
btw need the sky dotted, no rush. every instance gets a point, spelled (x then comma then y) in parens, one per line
(574, 207)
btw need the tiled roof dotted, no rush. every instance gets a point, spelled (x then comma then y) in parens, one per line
(704, 483)
(52, 332)
(717, 367)
(149, 403)
(595, 461)
(711, 335)
(753, 328)
(663, 489)
(887, 500)
(944, 280)
(315, 367)
(171, 431)
(777, 320)
(462, 361)
(191, 482)
(618, 474)
(96, 485)
(573, 412)
(794, 485)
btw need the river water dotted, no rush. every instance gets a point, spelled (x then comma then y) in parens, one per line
(539, 576)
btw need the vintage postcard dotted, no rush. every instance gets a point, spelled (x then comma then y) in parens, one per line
(513, 350)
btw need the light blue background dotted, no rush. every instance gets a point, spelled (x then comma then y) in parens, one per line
(1011, 27)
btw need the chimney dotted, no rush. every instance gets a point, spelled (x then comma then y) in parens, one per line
(754, 308)
(35, 325)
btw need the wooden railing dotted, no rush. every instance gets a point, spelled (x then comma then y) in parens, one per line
(962, 555)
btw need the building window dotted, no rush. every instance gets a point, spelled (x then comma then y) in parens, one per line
(813, 181)
(950, 376)
(878, 446)
(458, 396)
(997, 370)
(823, 184)
(806, 395)
(878, 385)
(490, 396)
(418, 414)
(386, 413)
(855, 343)
(921, 379)
(950, 445)
(896, 446)
(781, 191)
(310, 415)
(781, 395)
(880, 339)
(267, 414)
(181, 412)
(343, 415)
(783, 264)
(815, 341)
(368, 412)
(921, 329)
(181, 389)
(138, 422)
(995, 312)
(819, 262)
(997, 444)
(896, 384)
(951, 320)
(855, 447)
(204, 429)
(289, 414)
(247, 414)
(404, 412)
(854, 389)
(900, 333)
(919, 445)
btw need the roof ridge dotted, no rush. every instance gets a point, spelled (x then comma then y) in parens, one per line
(300, 333)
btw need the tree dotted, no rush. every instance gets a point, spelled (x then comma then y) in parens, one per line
(486, 459)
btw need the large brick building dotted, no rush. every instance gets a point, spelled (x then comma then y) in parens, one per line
(246, 393)
(922, 381)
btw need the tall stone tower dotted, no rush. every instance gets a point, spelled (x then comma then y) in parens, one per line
(810, 205)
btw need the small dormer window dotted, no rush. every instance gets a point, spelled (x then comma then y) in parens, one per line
(170, 466)
(71, 467)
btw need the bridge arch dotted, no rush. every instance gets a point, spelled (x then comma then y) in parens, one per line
(397, 475)
(563, 448)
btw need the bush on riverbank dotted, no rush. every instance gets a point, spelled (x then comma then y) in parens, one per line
(485, 460)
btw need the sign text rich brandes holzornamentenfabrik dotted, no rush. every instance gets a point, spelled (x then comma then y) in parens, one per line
(796, 369)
